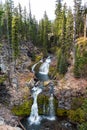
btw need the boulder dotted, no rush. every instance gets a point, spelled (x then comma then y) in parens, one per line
(7, 127)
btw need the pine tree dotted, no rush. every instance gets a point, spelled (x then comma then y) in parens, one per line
(63, 65)
(20, 23)
(15, 41)
(58, 21)
(41, 32)
(63, 37)
(45, 34)
(9, 27)
(1, 15)
(69, 32)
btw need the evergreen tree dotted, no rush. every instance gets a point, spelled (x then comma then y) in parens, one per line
(69, 32)
(20, 23)
(15, 41)
(45, 34)
(63, 37)
(63, 65)
(1, 15)
(41, 32)
(25, 26)
(58, 21)
(79, 18)
(61, 62)
(9, 26)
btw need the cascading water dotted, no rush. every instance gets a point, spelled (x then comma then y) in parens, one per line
(33, 67)
(36, 122)
(44, 68)
(34, 117)
(51, 113)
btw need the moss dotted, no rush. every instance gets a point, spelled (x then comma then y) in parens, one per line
(54, 49)
(52, 71)
(2, 78)
(24, 109)
(38, 57)
(42, 100)
(76, 115)
(62, 112)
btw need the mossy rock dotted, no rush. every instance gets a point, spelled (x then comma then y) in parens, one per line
(52, 71)
(62, 112)
(77, 115)
(43, 102)
(2, 78)
(77, 102)
(38, 57)
(24, 109)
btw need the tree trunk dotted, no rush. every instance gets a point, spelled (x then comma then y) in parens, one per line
(85, 25)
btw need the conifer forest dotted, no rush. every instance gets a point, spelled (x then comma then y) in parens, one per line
(56, 50)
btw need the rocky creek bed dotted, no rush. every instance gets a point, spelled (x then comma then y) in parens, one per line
(69, 92)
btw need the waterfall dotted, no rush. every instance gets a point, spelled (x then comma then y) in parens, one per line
(33, 67)
(34, 117)
(44, 68)
(51, 115)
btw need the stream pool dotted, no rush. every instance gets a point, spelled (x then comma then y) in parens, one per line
(45, 124)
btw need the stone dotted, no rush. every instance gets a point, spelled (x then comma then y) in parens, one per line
(7, 127)
(2, 121)
(17, 128)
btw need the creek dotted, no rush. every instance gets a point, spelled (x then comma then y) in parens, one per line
(48, 121)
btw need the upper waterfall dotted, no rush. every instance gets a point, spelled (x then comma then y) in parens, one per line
(44, 68)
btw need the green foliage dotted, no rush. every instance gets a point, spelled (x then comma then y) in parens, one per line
(2, 78)
(23, 110)
(62, 112)
(43, 102)
(15, 41)
(61, 63)
(80, 61)
(83, 126)
(84, 106)
(77, 115)
(33, 56)
(9, 25)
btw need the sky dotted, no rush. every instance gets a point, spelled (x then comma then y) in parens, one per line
(39, 6)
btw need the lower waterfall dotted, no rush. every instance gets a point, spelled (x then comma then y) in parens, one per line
(51, 113)
(34, 117)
